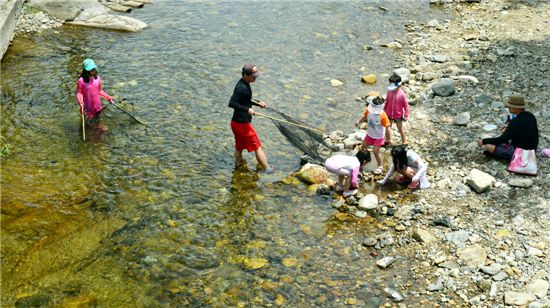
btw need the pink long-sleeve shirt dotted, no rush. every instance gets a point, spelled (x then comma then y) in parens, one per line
(89, 95)
(397, 106)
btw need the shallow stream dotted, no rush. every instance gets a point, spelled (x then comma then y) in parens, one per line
(160, 216)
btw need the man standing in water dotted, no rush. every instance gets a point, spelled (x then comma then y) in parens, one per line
(241, 102)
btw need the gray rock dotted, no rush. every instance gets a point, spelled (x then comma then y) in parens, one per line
(519, 182)
(385, 262)
(483, 99)
(404, 73)
(462, 119)
(361, 214)
(444, 87)
(368, 202)
(473, 255)
(394, 295)
(518, 298)
(459, 238)
(479, 180)
(492, 269)
(369, 242)
(437, 286)
(439, 58)
(449, 265)
(500, 276)
(422, 236)
(538, 287)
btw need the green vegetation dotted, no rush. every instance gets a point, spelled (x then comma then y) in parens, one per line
(30, 10)
(5, 147)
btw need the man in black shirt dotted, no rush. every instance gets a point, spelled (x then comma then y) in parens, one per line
(241, 101)
(522, 132)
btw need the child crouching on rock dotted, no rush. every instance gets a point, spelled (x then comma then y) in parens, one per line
(378, 122)
(409, 166)
(347, 168)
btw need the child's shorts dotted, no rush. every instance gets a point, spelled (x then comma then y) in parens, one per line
(374, 142)
(398, 121)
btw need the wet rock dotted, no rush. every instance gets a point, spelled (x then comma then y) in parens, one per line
(361, 214)
(394, 295)
(323, 189)
(80, 301)
(444, 87)
(518, 298)
(370, 242)
(37, 300)
(313, 174)
(385, 262)
(479, 180)
(368, 202)
(369, 79)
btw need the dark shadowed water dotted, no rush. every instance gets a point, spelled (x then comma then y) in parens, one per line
(159, 216)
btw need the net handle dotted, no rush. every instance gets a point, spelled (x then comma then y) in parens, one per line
(289, 123)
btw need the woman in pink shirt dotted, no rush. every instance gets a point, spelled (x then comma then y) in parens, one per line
(88, 90)
(397, 108)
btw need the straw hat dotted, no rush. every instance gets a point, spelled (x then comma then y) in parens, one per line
(515, 101)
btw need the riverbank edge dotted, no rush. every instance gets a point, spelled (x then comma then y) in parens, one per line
(8, 20)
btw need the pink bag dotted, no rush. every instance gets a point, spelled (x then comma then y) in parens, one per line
(523, 162)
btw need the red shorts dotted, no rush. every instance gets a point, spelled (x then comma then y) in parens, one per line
(245, 136)
(374, 142)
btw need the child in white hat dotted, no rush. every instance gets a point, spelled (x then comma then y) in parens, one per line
(377, 121)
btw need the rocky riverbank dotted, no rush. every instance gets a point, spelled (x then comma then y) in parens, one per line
(480, 236)
(38, 15)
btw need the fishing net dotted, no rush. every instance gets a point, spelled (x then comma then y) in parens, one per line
(303, 137)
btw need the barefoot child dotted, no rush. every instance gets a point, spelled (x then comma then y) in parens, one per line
(347, 168)
(397, 108)
(409, 166)
(377, 121)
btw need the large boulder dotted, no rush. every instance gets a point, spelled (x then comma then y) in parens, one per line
(313, 174)
(68, 10)
(444, 87)
(479, 180)
(113, 22)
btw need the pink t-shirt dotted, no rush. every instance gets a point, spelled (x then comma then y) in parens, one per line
(89, 95)
(397, 106)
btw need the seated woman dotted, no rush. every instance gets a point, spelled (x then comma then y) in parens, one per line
(521, 132)
(409, 166)
(347, 168)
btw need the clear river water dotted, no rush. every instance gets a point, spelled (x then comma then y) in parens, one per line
(160, 216)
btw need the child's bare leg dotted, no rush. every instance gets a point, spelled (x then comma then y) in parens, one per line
(401, 132)
(341, 180)
(239, 157)
(389, 133)
(408, 172)
(376, 151)
(347, 183)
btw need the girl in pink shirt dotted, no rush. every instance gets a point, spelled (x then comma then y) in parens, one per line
(88, 90)
(397, 108)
